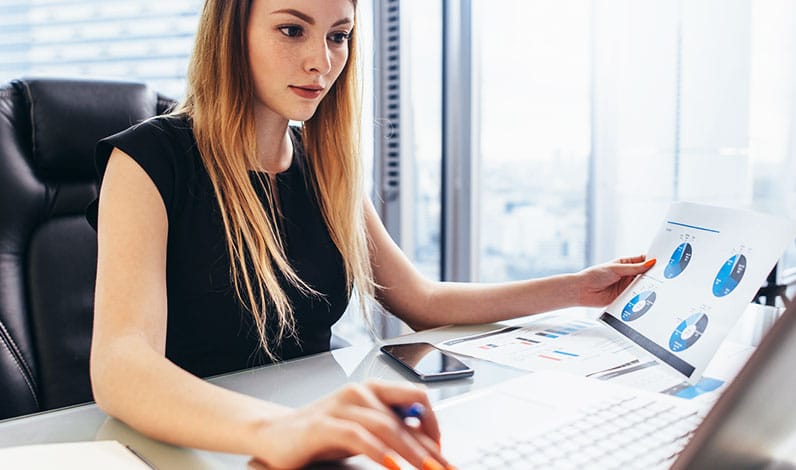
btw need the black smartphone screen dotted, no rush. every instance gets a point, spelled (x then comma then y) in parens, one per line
(426, 361)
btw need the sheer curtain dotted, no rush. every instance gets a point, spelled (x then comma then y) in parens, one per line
(693, 100)
(594, 115)
(773, 109)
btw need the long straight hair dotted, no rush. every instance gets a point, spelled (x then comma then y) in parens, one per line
(220, 103)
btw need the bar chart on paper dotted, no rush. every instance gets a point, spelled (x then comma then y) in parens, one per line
(559, 343)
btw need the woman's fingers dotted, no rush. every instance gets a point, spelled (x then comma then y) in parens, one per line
(340, 437)
(412, 445)
(631, 259)
(632, 269)
(359, 419)
(374, 406)
(405, 396)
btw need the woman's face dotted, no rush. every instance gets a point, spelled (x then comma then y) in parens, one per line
(297, 49)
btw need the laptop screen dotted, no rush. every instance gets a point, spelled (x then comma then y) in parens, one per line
(753, 423)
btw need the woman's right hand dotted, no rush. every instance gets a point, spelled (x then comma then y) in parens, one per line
(357, 419)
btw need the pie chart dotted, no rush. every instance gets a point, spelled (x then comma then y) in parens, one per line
(638, 305)
(688, 332)
(729, 275)
(678, 261)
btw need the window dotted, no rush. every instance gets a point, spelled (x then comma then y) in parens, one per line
(694, 101)
(593, 116)
(424, 110)
(141, 40)
(533, 90)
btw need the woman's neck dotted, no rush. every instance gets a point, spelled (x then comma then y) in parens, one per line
(274, 146)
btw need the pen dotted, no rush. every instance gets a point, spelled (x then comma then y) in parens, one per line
(415, 410)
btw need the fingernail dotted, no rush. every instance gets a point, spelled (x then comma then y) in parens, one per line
(649, 262)
(431, 464)
(390, 462)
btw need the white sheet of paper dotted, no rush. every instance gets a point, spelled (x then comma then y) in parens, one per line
(72, 455)
(577, 344)
(554, 342)
(711, 262)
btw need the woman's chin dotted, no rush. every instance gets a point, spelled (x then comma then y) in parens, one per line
(303, 114)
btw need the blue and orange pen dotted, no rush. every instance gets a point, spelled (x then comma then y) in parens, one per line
(415, 410)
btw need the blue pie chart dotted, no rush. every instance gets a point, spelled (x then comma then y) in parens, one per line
(638, 305)
(729, 275)
(688, 332)
(678, 261)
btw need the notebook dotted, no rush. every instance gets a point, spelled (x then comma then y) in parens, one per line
(73, 456)
(553, 420)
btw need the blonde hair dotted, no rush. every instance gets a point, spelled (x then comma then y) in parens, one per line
(220, 102)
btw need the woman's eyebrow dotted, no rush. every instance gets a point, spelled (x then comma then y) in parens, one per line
(307, 18)
(302, 16)
(342, 22)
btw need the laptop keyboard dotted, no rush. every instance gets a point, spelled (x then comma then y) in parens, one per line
(623, 433)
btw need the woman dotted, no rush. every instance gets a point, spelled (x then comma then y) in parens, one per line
(227, 240)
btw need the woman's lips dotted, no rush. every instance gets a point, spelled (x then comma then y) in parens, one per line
(308, 92)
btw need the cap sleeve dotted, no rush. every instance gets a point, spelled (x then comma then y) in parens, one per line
(153, 145)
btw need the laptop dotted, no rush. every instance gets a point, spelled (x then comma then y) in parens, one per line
(552, 420)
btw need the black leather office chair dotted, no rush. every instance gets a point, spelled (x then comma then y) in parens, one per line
(48, 130)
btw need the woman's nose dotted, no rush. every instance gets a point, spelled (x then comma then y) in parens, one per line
(317, 57)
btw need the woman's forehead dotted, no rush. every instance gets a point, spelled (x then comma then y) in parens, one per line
(322, 9)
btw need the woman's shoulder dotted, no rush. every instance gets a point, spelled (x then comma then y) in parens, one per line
(169, 128)
(163, 147)
(169, 136)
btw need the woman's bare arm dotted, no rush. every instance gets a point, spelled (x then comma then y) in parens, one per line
(130, 375)
(423, 303)
(133, 380)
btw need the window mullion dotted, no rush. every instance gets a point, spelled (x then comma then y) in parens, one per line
(459, 161)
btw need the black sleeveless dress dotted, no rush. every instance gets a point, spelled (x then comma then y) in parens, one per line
(209, 332)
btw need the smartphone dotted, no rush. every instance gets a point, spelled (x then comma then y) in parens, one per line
(427, 362)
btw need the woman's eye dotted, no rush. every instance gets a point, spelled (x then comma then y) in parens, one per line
(291, 31)
(340, 37)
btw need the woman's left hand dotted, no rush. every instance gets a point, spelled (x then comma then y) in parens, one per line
(599, 285)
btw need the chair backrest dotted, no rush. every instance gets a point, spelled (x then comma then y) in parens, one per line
(48, 252)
